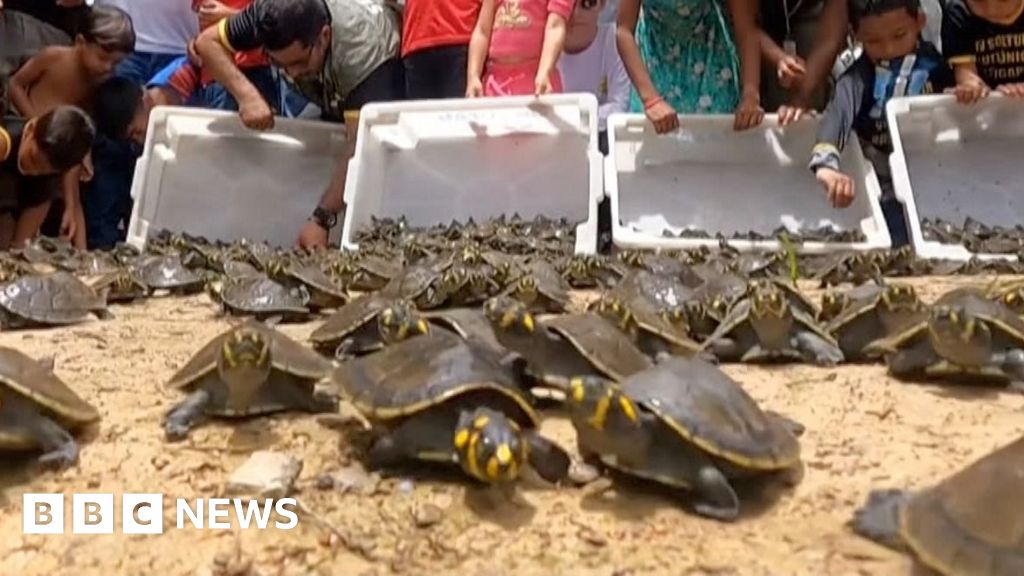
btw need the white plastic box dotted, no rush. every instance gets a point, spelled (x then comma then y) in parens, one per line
(708, 177)
(434, 161)
(952, 161)
(204, 173)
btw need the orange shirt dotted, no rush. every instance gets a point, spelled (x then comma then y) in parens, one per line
(433, 23)
(250, 59)
(519, 26)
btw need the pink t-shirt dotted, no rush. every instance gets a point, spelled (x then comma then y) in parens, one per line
(518, 30)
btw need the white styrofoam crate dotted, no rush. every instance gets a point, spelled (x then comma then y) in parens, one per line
(951, 161)
(203, 172)
(434, 161)
(709, 177)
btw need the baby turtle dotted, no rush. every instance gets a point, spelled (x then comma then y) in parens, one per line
(261, 298)
(655, 333)
(119, 286)
(37, 410)
(471, 325)
(878, 314)
(53, 300)
(361, 326)
(436, 399)
(564, 346)
(969, 524)
(683, 423)
(765, 327)
(169, 273)
(324, 290)
(541, 288)
(966, 337)
(249, 370)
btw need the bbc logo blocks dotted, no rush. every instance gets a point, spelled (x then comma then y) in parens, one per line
(93, 514)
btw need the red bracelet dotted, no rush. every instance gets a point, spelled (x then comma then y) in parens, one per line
(652, 102)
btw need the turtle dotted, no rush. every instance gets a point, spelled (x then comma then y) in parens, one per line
(720, 291)
(119, 286)
(874, 314)
(661, 264)
(656, 333)
(658, 291)
(686, 424)
(969, 524)
(419, 283)
(169, 273)
(52, 300)
(240, 269)
(324, 290)
(355, 329)
(797, 299)
(966, 337)
(471, 325)
(367, 273)
(461, 285)
(249, 370)
(437, 399)
(38, 410)
(1010, 295)
(261, 298)
(541, 288)
(564, 346)
(765, 327)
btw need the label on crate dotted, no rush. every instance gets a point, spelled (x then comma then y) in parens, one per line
(532, 120)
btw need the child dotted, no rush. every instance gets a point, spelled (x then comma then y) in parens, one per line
(69, 74)
(520, 41)
(895, 62)
(982, 42)
(36, 155)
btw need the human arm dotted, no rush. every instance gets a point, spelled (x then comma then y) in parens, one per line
(828, 41)
(554, 41)
(479, 44)
(72, 203)
(958, 48)
(216, 46)
(834, 130)
(5, 144)
(28, 76)
(658, 111)
(743, 15)
(212, 11)
(312, 234)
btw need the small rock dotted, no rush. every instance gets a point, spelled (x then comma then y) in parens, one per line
(427, 515)
(160, 462)
(355, 478)
(581, 473)
(267, 474)
(406, 486)
(324, 482)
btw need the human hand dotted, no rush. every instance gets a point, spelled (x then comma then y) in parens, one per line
(255, 113)
(68, 223)
(212, 11)
(749, 113)
(662, 115)
(791, 70)
(474, 88)
(789, 114)
(542, 85)
(971, 91)
(312, 236)
(1012, 90)
(193, 54)
(838, 186)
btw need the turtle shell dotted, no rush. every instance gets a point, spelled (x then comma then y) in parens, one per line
(862, 321)
(471, 325)
(286, 355)
(420, 373)
(168, 273)
(58, 298)
(550, 283)
(707, 408)
(261, 295)
(349, 319)
(37, 383)
(970, 524)
(996, 315)
(600, 343)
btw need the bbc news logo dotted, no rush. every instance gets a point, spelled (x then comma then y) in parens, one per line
(144, 513)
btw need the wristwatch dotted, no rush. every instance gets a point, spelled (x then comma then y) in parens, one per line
(324, 218)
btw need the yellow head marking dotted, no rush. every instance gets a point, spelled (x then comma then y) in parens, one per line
(421, 326)
(228, 353)
(969, 328)
(628, 408)
(471, 461)
(601, 412)
(528, 322)
(480, 422)
(576, 389)
(503, 454)
(461, 438)
(508, 318)
(492, 469)
(954, 316)
(403, 332)
(387, 316)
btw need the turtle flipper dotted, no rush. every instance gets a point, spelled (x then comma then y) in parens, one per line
(717, 499)
(548, 459)
(385, 452)
(186, 415)
(878, 519)
(1012, 362)
(911, 361)
(725, 349)
(60, 448)
(816, 349)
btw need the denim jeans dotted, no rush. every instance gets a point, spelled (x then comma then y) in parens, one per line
(107, 200)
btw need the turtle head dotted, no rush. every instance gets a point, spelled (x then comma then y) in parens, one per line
(1014, 300)
(580, 267)
(678, 316)
(244, 364)
(400, 321)
(955, 324)
(900, 297)
(490, 446)
(526, 289)
(507, 313)
(767, 301)
(471, 255)
(633, 258)
(599, 404)
(453, 278)
(616, 310)
(832, 303)
(277, 266)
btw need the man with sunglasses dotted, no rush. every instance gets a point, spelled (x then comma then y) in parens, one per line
(341, 54)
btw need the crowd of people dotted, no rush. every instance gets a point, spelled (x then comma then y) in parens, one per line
(79, 81)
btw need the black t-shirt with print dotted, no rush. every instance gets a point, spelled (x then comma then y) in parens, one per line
(27, 191)
(996, 49)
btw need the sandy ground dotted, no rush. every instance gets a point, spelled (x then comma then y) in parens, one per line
(864, 430)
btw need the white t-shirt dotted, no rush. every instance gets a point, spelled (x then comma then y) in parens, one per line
(161, 26)
(598, 70)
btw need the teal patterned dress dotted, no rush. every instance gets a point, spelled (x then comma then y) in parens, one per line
(689, 51)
